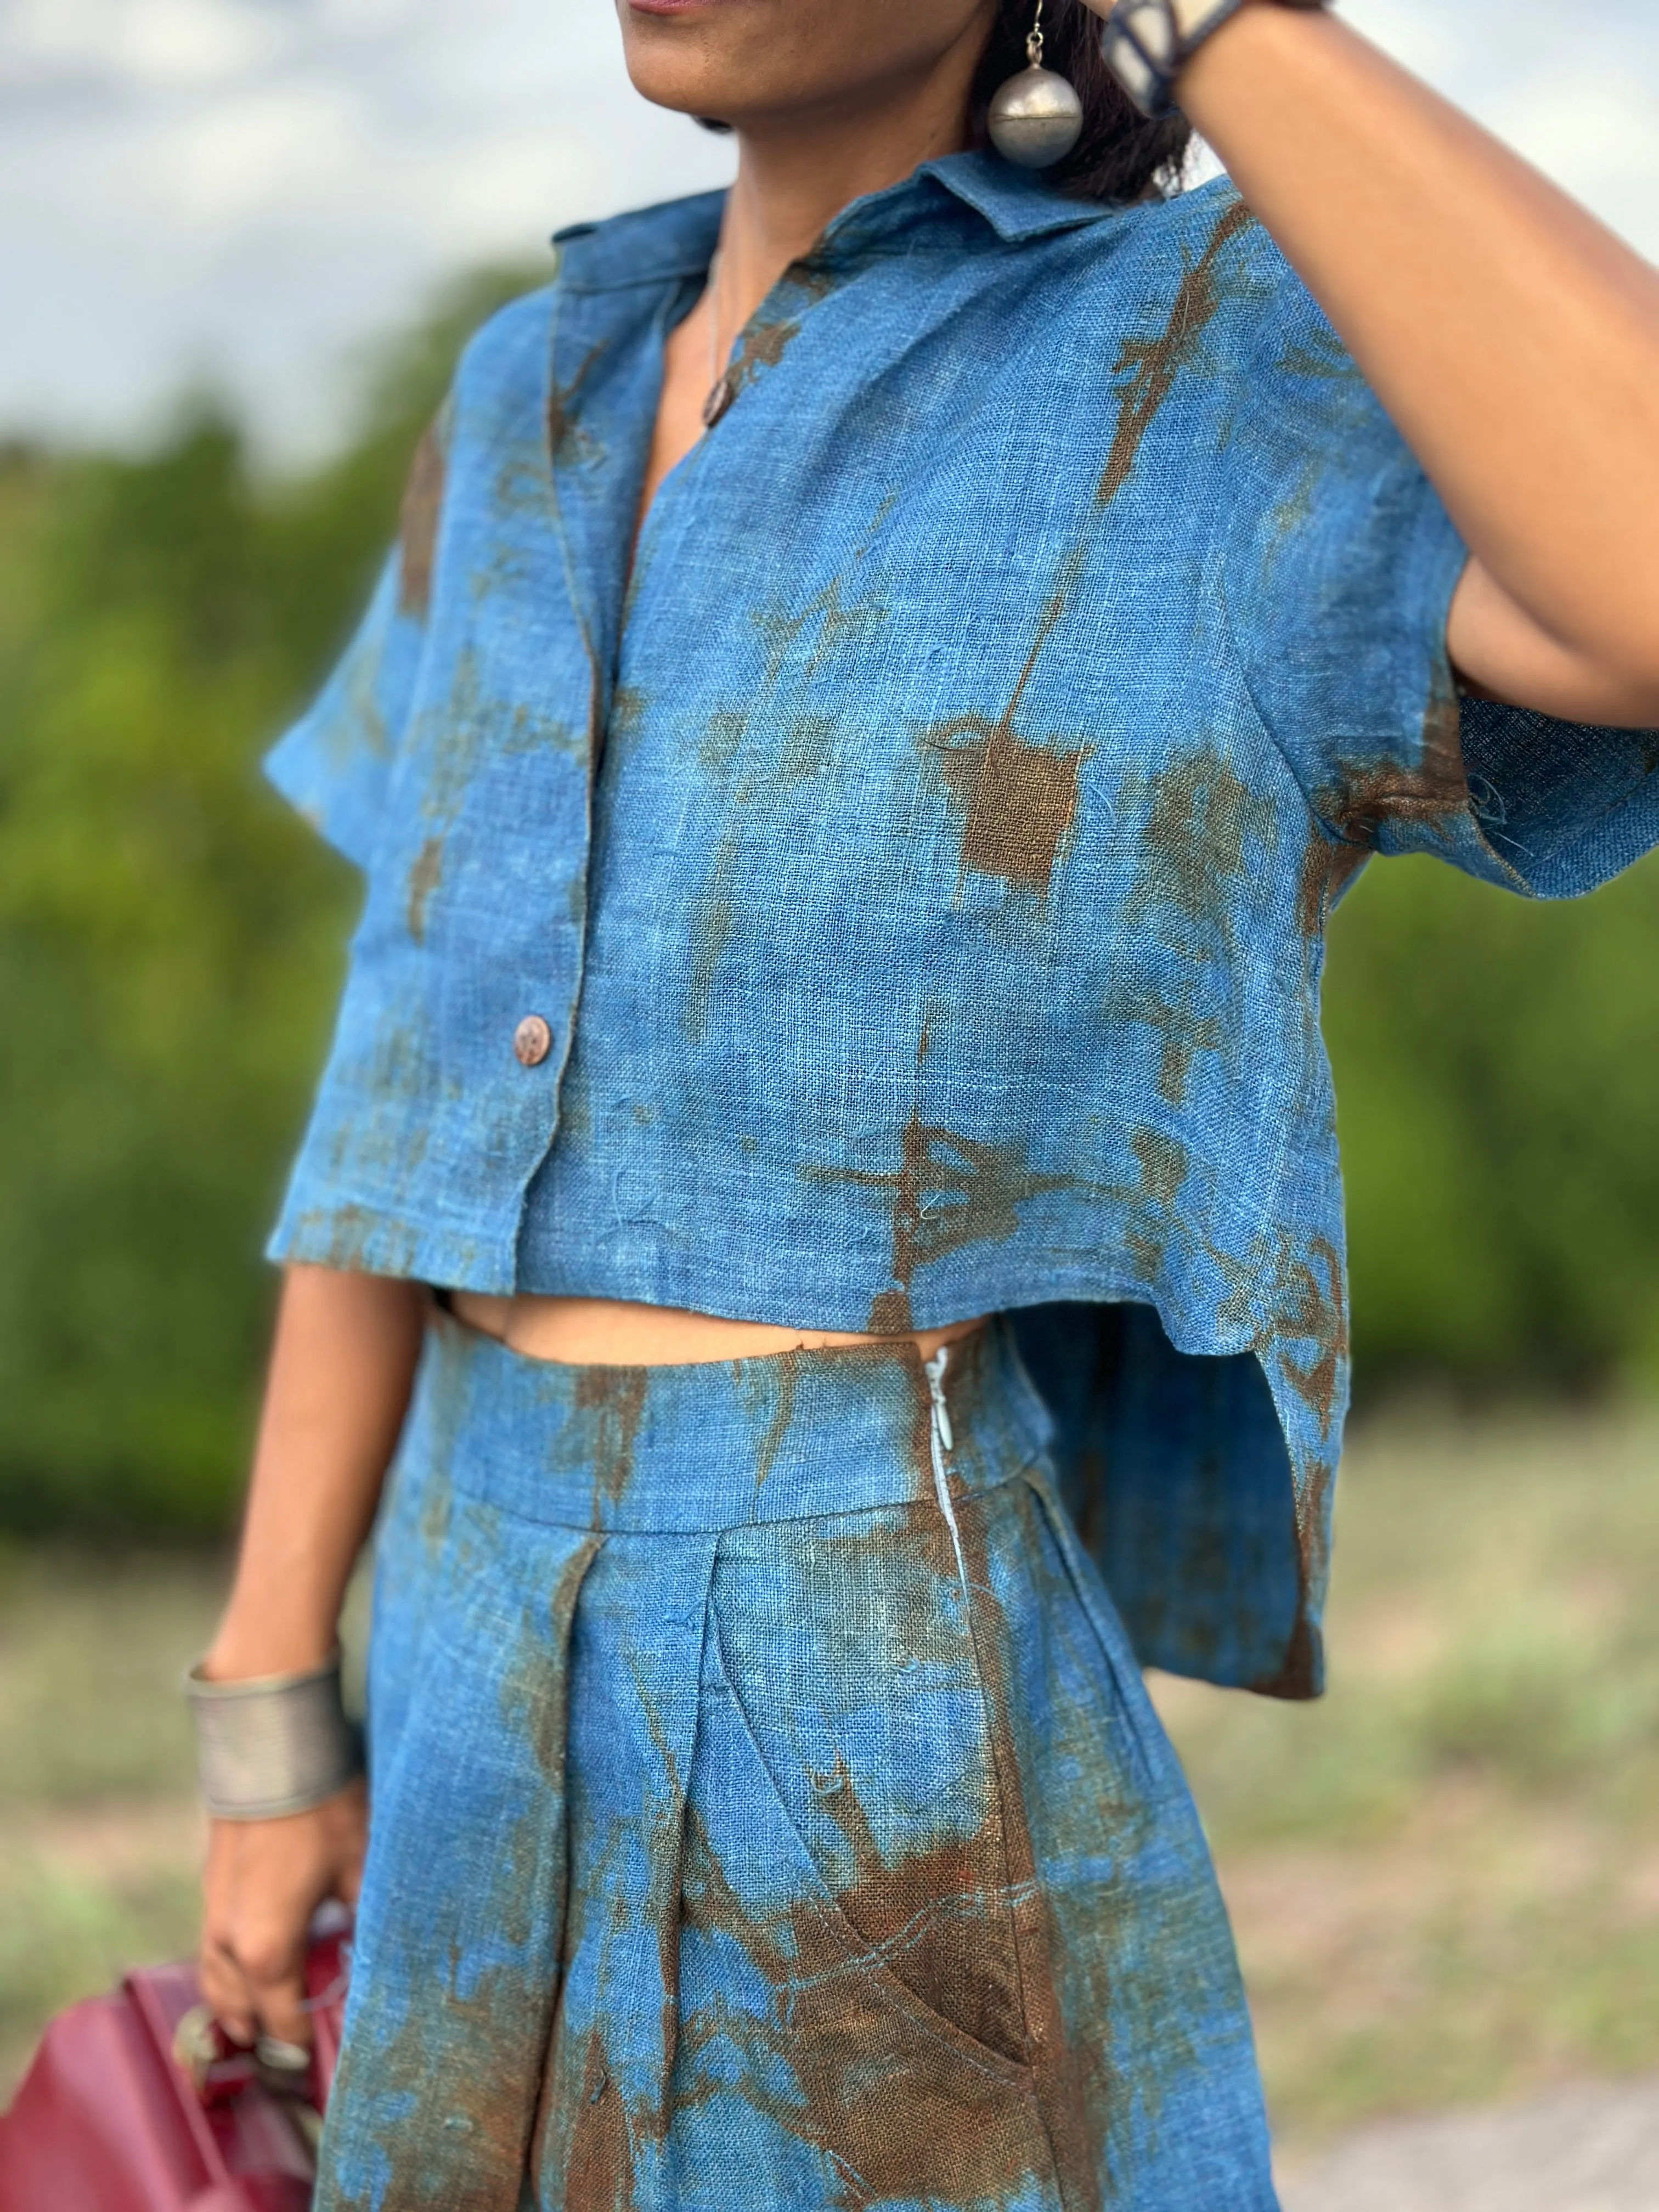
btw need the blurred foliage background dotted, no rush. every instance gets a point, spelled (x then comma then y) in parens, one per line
(171, 943)
(171, 939)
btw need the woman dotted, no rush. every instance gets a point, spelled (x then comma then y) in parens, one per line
(883, 678)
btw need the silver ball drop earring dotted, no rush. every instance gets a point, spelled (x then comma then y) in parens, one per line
(1036, 118)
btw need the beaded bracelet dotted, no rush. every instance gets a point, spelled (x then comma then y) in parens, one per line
(1147, 43)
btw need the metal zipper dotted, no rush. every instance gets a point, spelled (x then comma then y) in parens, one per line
(942, 1442)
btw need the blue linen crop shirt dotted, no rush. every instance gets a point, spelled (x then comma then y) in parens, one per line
(902, 896)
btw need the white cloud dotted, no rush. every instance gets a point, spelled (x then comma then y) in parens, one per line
(1584, 109)
(247, 189)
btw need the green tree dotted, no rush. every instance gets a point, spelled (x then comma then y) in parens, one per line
(1498, 1069)
(170, 938)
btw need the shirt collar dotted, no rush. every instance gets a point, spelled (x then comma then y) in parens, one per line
(1017, 204)
(660, 244)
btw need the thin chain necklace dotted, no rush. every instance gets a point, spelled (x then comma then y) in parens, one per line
(722, 390)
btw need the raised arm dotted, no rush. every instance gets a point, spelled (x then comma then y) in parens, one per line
(1514, 340)
(340, 1374)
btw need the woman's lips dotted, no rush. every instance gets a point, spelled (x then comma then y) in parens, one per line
(672, 7)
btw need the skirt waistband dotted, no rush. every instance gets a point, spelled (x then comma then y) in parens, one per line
(790, 1436)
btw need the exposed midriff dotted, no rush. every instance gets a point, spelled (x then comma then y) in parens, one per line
(612, 1332)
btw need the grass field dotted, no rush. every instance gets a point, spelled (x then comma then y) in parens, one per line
(1446, 1878)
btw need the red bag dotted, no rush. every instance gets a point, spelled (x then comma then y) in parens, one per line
(136, 2103)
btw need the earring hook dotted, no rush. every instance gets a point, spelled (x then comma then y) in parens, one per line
(1034, 43)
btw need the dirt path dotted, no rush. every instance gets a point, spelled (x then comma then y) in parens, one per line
(1594, 2149)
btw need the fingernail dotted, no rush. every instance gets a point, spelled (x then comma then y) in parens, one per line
(282, 2057)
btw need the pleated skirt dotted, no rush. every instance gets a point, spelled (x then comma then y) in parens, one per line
(768, 1812)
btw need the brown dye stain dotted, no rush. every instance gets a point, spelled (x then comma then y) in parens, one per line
(1295, 1303)
(723, 735)
(1153, 364)
(422, 507)
(1323, 355)
(939, 1917)
(1164, 1165)
(809, 747)
(453, 759)
(1019, 798)
(1364, 795)
(1061, 2086)
(713, 916)
(451, 1347)
(1303, 1300)
(1200, 821)
(614, 1398)
(597, 2168)
(466, 2141)
(890, 1314)
(437, 1510)
(1295, 510)
(349, 1233)
(836, 624)
(987, 1184)
(785, 1370)
(887, 1566)
(885, 506)
(666, 1852)
(423, 879)
(1184, 1035)
(588, 2130)
(467, 2069)
(359, 719)
(897, 2113)
(1297, 1675)
(565, 439)
(817, 279)
(1305, 1307)
(964, 1921)
(1136, 1961)
(1327, 865)
(762, 346)
(535, 1694)
(626, 718)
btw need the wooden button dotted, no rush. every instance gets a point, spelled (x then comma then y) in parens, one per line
(532, 1040)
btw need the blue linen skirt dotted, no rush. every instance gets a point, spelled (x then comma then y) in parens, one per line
(768, 1814)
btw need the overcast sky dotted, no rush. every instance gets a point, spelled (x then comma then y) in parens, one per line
(245, 192)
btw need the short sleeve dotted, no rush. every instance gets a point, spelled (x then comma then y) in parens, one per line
(1341, 563)
(333, 765)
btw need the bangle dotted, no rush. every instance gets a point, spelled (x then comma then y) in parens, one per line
(276, 1745)
(1147, 43)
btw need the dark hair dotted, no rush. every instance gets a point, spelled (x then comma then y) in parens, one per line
(1121, 155)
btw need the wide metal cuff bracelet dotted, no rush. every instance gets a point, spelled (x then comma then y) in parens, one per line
(274, 1745)
(1146, 48)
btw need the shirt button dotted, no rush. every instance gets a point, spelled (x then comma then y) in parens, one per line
(532, 1040)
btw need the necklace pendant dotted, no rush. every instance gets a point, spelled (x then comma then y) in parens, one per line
(719, 399)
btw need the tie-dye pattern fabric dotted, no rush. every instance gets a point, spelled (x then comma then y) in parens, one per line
(768, 1812)
(916, 873)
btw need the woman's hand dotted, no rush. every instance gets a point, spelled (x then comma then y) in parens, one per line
(265, 1879)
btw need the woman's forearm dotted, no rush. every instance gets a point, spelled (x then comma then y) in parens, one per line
(1514, 340)
(340, 1373)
